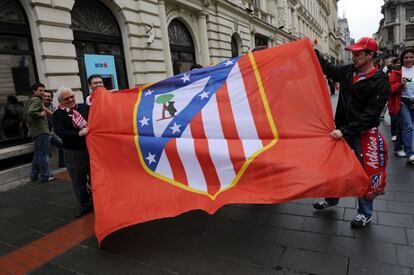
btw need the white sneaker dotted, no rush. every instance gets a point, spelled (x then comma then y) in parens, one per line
(393, 138)
(400, 154)
(411, 159)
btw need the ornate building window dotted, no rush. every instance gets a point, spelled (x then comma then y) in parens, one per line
(391, 33)
(409, 32)
(97, 36)
(409, 11)
(17, 70)
(393, 14)
(234, 46)
(181, 46)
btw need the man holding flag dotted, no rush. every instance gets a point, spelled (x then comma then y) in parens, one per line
(362, 97)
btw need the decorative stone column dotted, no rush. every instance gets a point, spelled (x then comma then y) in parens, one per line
(202, 28)
(252, 39)
(52, 42)
(263, 5)
(282, 10)
(164, 38)
(295, 22)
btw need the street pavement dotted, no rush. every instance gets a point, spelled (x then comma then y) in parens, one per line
(39, 235)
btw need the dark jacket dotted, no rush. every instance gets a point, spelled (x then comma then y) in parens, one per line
(360, 104)
(63, 126)
(37, 125)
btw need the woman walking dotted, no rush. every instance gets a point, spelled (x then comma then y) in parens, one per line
(402, 83)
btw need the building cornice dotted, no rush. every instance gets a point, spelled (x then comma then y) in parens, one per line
(311, 20)
(324, 6)
(241, 11)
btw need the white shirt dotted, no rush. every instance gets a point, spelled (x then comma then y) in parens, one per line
(408, 90)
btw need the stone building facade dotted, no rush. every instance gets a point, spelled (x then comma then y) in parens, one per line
(60, 42)
(346, 39)
(396, 29)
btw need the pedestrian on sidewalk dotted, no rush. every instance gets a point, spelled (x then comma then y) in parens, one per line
(394, 101)
(364, 90)
(402, 83)
(70, 124)
(54, 139)
(36, 120)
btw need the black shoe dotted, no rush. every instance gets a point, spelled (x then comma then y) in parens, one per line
(33, 179)
(51, 178)
(83, 211)
(322, 205)
(360, 221)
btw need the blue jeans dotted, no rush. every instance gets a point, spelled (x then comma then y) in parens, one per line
(40, 165)
(55, 140)
(406, 123)
(396, 131)
(365, 205)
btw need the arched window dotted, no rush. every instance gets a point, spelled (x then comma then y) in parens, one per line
(234, 46)
(17, 70)
(98, 43)
(181, 46)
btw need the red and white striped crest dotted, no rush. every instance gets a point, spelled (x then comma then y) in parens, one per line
(206, 151)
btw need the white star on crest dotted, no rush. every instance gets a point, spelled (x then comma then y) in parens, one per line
(203, 95)
(185, 78)
(228, 63)
(149, 92)
(150, 158)
(144, 121)
(175, 128)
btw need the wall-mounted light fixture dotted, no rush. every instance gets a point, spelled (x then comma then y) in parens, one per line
(150, 30)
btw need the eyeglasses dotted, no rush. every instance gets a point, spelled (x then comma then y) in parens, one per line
(97, 82)
(68, 97)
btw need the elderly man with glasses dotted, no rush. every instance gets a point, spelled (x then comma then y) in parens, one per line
(70, 124)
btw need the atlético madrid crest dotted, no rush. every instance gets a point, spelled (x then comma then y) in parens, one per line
(200, 130)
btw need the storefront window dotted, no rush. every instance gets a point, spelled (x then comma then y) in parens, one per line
(260, 40)
(17, 71)
(97, 34)
(181, 46)
(8, 42)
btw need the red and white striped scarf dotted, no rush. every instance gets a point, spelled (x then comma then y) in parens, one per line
(77, 119)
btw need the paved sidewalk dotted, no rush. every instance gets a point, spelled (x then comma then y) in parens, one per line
(39, 235)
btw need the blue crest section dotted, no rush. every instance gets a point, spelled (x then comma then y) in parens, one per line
(151, 146)
(376, 180)
(381, 150)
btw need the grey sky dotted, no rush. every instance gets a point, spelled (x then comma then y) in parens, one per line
(363, 16)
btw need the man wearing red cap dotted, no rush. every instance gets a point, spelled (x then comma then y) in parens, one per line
(364, 90)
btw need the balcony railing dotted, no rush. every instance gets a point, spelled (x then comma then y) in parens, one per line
(255, 9)
(263, 15)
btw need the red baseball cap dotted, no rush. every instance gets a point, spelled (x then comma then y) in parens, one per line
(365, 43)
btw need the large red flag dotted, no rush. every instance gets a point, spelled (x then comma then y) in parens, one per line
(253, 129)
